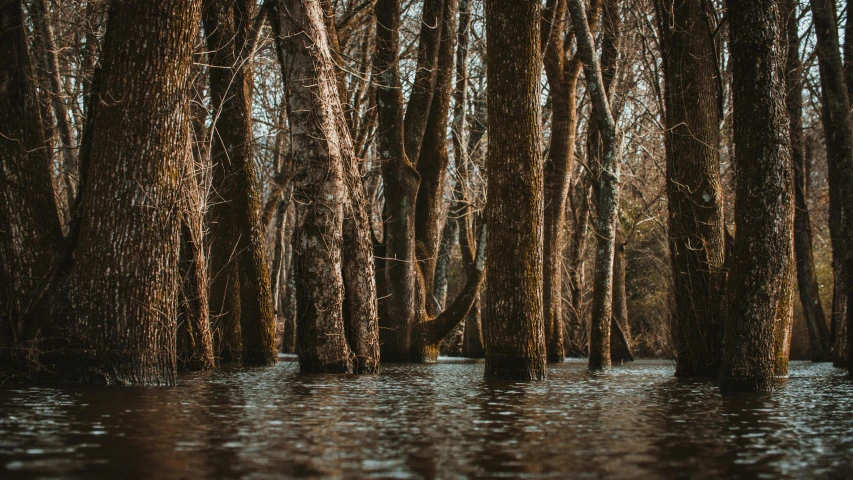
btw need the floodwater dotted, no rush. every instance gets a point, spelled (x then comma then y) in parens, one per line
(432, 421)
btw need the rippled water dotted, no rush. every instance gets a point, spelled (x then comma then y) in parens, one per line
(432, 421)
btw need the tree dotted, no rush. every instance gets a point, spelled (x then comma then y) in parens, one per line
(692, 89)
(562, 75)
(240, 288)
(413, 179)
(112, 318)
(819, 338)
(608, 196)
(514, 330)
(32, 237)
(838, 129)
(764, 198)
(336, 293)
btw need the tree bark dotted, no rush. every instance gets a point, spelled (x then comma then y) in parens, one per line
(838, 129)
(694, 188)
(421, 99)
(608, 198)
(235, 223)
(515, 330)
(29, 219)
(195, 342)
(764, 197)
(411, 217)
(819, 339)
(113, 318)
(620, 328)
(60, 110)
(337, 306)
(399, 305)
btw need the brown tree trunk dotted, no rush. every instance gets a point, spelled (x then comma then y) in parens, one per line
(60, 110)
(412, 217)
(620, 329)
(235, 223)
(337, 306)
(562, 80)
(400, 304)
(515, 330)
(421, 99)
(29, 219)
(608, 198)
(764, 197)
(819, 339)
(838, 129)
(114, 316)
(694, 187)
(576, 345)
(194, 340)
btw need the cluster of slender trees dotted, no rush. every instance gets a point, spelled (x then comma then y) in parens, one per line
(145, 228)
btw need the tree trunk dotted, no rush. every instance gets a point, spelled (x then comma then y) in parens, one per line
(694, 188)
(764, 197)
(195, 343)
(114, 315)
(620, 329)
(60, 110)
(413, 208)
(809, 291)
(515, 330)
(562, 81)
(235, 223)
(400, 303)
(337, 306)
(29, 219)
(608, 198)
(838, 129)
(472, 337)
(576, 345)
(421, 99)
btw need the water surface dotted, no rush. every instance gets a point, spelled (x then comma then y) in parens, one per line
(432, 421)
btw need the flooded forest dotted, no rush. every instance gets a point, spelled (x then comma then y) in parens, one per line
(426, 239)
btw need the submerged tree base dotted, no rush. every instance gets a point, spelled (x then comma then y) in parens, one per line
(514, 367)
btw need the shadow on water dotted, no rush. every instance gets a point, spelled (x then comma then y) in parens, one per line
(432, 421)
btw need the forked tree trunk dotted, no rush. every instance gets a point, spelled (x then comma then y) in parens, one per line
(238, 256)
(413, 203)
(514, 330)
(399, 305)
(819, 339)
(764, 197)
(114, 315)
(694, 188)
(608, 198)
(337, 319)
(29, 220)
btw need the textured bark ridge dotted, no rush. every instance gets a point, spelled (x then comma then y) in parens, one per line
(514, 330)
(240, 291)
(562, 78)
(29, 219)
(764, 199)
(336, 291)
(413, 215)
(608, 197)
(819, 335)
(838, 128)
(694, 188)
(114, 316)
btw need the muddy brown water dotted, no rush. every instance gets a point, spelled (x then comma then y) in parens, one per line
(432, 421)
